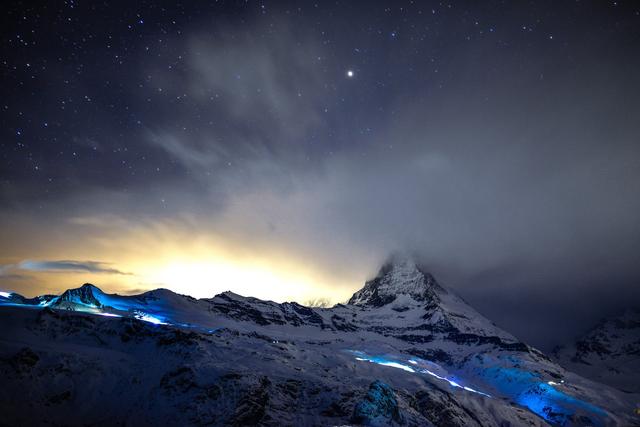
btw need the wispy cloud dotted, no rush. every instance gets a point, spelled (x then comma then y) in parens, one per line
(70, 265)
(267, 96)
(7, 272)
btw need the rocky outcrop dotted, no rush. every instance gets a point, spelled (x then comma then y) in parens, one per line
(379, 407)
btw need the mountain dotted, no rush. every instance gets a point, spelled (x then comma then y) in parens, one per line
(404, 287)
(9, 298)
(404, 350)
(608, 353)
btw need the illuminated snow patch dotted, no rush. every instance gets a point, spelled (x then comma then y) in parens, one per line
(140, 315)
(379, 360)
(540, 397)
(390, 364)
(45, 303)
(5, 294)
(108, 314)
(557, 407)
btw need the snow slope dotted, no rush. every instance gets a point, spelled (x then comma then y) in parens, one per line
(404, 351)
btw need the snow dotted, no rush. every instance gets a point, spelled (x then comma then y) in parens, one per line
(163, 358)
(382, 360)
(148, 318)
(110, 315)
(400, 278)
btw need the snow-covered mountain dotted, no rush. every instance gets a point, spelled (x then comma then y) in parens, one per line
(405, 350)
(609, 353)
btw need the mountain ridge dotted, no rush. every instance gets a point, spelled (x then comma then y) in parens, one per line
(402, 320)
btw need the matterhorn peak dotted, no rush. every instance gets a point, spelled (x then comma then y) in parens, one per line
(401, 274)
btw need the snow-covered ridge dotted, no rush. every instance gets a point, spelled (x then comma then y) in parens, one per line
(403, 328)
(403, 301)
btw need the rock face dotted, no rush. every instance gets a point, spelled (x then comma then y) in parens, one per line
(379, 407)
(404, 351)
(83, 295)
(608, 353)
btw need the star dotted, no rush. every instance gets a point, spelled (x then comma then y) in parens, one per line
(350, 73)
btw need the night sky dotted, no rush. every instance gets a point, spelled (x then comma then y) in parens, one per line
(284, 149)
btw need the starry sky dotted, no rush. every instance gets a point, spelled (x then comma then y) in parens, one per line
(284, 149)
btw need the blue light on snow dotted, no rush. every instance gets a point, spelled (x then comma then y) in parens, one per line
(525, 388)
(417, 368)
(542, 398)
(125, 305)
(148, 318)
(45, 303)
(108, 314)
(387, 363)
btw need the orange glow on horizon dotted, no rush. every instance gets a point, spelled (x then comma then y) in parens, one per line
(172, 255)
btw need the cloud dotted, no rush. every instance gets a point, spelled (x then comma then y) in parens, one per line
(262, 103)
(70, 265)
(7, 272)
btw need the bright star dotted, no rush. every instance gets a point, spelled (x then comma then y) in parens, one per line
(350, 73)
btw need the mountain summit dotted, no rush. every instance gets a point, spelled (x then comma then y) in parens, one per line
(403, 286)
(399, 276)
(87, 295)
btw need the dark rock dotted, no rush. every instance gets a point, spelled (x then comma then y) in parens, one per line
(56, 399)
(252, 406)
(24, 360)
(342, 324)
(179, 380)
(461, 338)
(420, 339)
(443, 410)
(379, 407)
(239, 310)
(434, 355)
